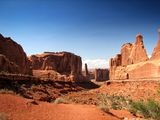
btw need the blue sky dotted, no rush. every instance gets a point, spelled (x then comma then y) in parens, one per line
(93, 29)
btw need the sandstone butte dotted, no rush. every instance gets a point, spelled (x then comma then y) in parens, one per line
(101, 74)
(57, 65)
(13, 59)
(133, 62)
(53, 65)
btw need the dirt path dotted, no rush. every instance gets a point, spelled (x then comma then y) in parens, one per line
(19, 108)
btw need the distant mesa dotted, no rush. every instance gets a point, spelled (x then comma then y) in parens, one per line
(101, 74)
(133, 62)
(58, 66)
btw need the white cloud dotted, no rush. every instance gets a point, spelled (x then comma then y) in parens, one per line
(96, 63)
(149, 56)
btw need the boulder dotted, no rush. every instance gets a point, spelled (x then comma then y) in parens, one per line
(13, 55)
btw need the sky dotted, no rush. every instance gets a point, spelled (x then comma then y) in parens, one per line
(92, 29)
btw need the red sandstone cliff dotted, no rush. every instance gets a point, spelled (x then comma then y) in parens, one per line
(13, 59)
(133, 62)
(64, 63)
(133, 53)
(156, 52)
(101, 74)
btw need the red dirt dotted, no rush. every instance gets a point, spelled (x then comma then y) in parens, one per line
(19, 108)
(135, 90)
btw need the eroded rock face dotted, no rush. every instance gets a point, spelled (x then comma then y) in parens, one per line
(125, 54)
(12, 57)
(156, 52)
(134, 53)
(64, 63)
(7, 66)
(132, 61)
(116, 61)
(101, 74)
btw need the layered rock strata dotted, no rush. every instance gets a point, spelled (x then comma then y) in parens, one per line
(63, 64)
(101, 74)
(133, 62)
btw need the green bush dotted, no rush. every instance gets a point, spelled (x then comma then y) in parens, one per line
(149, 109)
(114, 102)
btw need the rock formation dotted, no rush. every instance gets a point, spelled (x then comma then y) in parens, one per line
(12, 57)
(7, 66)
(156, 52)
(62, 63)
(134, 53)
(116, 61)
(86, 70)
(133, 62)
(101, 74)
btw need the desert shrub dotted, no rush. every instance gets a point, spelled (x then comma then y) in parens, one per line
(59, 101)
(103, 107)
(139, 108)
(149, 109)
(6, 91)
(114, 102)
(3, 116)
(115, 106)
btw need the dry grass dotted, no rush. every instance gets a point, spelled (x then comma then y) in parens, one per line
(59, 101)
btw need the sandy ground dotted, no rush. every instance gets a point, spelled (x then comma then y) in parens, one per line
(18, 108)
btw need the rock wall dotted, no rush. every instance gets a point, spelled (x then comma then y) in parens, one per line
(101, 74)
(13, 59)
(133, 62)
(156, 52)
(7, 66)
(64, 63)
(134, 53)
